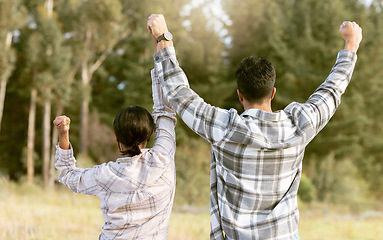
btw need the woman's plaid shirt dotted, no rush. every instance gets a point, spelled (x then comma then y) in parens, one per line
(136, 194)
(256, 157)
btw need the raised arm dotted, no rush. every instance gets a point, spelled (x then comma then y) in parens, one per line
(207, 121)
(165, 119)
(76, 179)
(163, 114)
(322, 104)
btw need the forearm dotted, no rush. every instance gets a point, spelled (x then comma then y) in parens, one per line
(165, 136)
(66, 165)
(76, 179)
(64, 141)
(161, 106)
(171, 79)
(163, 44)
(323, 103)
(165, 119)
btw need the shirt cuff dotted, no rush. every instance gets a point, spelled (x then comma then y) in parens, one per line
(154, 75)
(64, 153)
(165, 53)
(348, 54)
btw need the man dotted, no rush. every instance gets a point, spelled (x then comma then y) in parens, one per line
(256, 161)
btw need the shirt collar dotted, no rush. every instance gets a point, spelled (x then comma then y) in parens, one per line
(266, 116)
(129, 159)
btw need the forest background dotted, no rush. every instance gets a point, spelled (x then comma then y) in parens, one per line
(89, 59)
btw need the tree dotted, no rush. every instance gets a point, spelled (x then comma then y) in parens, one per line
(202, 49)
(94, 27)
(48, 63)
(11, 18)
(30, 72)
(125, 75)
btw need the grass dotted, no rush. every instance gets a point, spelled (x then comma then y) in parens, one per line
(30, 212)
(321, 229)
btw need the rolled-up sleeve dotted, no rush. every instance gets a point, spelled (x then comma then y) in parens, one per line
(207, 121)
(317, 111)
(76, 179)
(165, 119)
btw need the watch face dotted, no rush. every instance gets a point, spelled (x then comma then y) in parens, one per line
(168, 36)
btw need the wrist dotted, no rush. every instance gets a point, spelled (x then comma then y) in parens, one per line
(63, 133)
(163, 44)
(154, 44)
(352, 46)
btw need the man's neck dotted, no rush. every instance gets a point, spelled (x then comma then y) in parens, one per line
(264, 107)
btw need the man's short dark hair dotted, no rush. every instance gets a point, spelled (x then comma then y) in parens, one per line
(132, 126)
(255, 78)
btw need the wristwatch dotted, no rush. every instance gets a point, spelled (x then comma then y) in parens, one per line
(166, 36)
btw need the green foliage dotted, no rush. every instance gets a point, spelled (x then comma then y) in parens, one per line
(200, 56)
(192, 168)
(307, 191)
(339, 181)
(299, 37)
(11, 18)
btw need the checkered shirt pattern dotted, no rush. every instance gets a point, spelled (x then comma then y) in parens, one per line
(136, 193)
(256, 157)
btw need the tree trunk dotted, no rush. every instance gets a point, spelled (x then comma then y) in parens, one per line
(2, 98)
(84, 127)
(4, 77)
(49, 7)
(59, 112)
(46, 141)
(31, 137)
(84, 109)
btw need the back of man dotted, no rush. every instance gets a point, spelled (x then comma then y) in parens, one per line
(257, 156)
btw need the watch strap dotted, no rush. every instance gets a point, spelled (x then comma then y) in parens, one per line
(160, 38)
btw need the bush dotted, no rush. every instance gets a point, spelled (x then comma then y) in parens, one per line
(307, 191)
(338, 181)
(193, 173)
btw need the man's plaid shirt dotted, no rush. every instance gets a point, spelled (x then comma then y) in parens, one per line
(256, 157)
(136, 193)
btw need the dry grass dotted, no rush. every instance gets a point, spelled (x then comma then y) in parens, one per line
(327, 229)
(29, 212)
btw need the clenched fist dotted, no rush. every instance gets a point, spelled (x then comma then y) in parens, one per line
(352, 34)
(156, 25)
(62, 124)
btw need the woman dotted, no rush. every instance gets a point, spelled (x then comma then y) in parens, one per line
(136, 191)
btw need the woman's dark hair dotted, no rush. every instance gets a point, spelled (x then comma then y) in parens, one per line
(132, 126)
(255, 78)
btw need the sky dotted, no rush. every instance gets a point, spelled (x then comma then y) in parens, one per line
(213, 11)
(217, 16)
(367, 2)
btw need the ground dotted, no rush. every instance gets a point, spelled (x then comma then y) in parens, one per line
(30, 212)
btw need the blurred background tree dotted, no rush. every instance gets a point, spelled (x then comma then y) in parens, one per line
(89, 59)
(12, 16)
